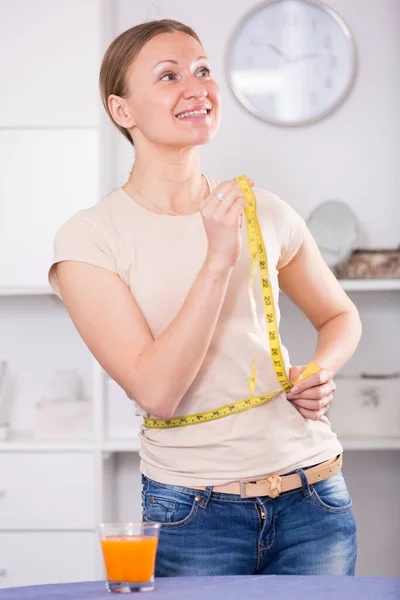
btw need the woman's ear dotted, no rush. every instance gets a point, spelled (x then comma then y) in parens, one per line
(120, 111)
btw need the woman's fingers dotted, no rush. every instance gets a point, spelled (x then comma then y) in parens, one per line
(231, 194)
(314, 393)
(312, 415)
(236, 211)
(221, 199)
(223, 196)
(316, 379)
(313, 404)
(222, 213)
(312, 396)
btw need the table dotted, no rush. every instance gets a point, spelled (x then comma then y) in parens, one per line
(237, 587)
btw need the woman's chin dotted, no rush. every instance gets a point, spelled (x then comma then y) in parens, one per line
(199, 137)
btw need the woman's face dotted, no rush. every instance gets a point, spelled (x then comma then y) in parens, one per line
(171, 77)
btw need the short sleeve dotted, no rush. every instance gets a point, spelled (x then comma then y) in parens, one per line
(80, 239)
(290, 230)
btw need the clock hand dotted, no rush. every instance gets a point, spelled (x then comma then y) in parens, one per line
(305, 56)
(277, 51)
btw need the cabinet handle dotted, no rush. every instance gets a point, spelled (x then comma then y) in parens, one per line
(3, 572)
(2, 493)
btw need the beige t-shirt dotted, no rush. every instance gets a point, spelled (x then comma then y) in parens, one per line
(158, 257)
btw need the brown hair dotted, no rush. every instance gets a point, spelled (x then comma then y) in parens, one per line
(122, 52)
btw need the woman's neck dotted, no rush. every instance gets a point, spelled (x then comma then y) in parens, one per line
(171, 182)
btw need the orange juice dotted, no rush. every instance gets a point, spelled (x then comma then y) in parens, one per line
(129, 558)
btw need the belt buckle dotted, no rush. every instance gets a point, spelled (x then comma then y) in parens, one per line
(275, 482)
(276, 485)
(242, 485)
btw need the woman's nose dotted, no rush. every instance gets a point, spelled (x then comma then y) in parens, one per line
(194, 88)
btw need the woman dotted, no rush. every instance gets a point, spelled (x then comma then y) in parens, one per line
(156, 280)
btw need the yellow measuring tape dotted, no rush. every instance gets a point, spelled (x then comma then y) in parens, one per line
(257, 254)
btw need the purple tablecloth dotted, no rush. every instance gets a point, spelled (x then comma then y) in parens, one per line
(258, 587)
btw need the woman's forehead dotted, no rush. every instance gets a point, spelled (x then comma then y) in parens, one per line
(177, 46)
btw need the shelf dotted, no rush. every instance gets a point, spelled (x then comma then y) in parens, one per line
(370, 443)
(27, 291)
(370, 285)
(20, 442)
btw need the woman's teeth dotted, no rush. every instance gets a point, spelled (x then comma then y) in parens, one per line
(192, 113)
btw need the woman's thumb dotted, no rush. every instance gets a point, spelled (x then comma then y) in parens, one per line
(295, 372)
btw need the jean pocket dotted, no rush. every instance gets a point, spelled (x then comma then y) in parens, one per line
(170, 508)
(332, 494)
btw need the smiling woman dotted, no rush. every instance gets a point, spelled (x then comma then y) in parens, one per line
(178, 92)
(180, 85)
(156, 280)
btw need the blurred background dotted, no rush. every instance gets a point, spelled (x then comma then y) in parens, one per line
(68, 435)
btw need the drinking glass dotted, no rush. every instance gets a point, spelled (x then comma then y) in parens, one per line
(129, 552)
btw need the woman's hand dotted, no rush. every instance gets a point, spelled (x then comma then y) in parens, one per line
(222, 214)
(312, 395)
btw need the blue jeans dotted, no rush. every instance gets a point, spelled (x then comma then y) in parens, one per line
(307, 531)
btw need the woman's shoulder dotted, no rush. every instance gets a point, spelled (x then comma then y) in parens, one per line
(273, 204)
(266, 199)
(94, 218)
(83, 238)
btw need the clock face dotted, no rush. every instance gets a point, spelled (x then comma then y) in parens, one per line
(291, 62)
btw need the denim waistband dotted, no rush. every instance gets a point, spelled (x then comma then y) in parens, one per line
(193, 492)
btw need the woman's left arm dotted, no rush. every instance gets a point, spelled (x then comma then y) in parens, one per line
(311, 285)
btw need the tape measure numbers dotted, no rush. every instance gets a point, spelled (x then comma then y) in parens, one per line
(258, 258)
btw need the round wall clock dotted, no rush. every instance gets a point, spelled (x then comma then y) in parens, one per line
(291, 62)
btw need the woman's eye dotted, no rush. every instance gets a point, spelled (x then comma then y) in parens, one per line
(169, 75)
(206, 71)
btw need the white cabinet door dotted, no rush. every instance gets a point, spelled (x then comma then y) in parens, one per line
(28, 558)
(46, 176)
(49, 63)
(46, 491)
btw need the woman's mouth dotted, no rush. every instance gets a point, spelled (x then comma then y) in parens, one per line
(194, 115)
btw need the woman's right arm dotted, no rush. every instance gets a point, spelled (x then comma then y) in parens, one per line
(156, 373)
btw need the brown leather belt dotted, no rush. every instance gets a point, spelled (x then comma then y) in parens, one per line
(274, 485)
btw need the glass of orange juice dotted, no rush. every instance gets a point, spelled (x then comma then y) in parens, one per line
(129, 552)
